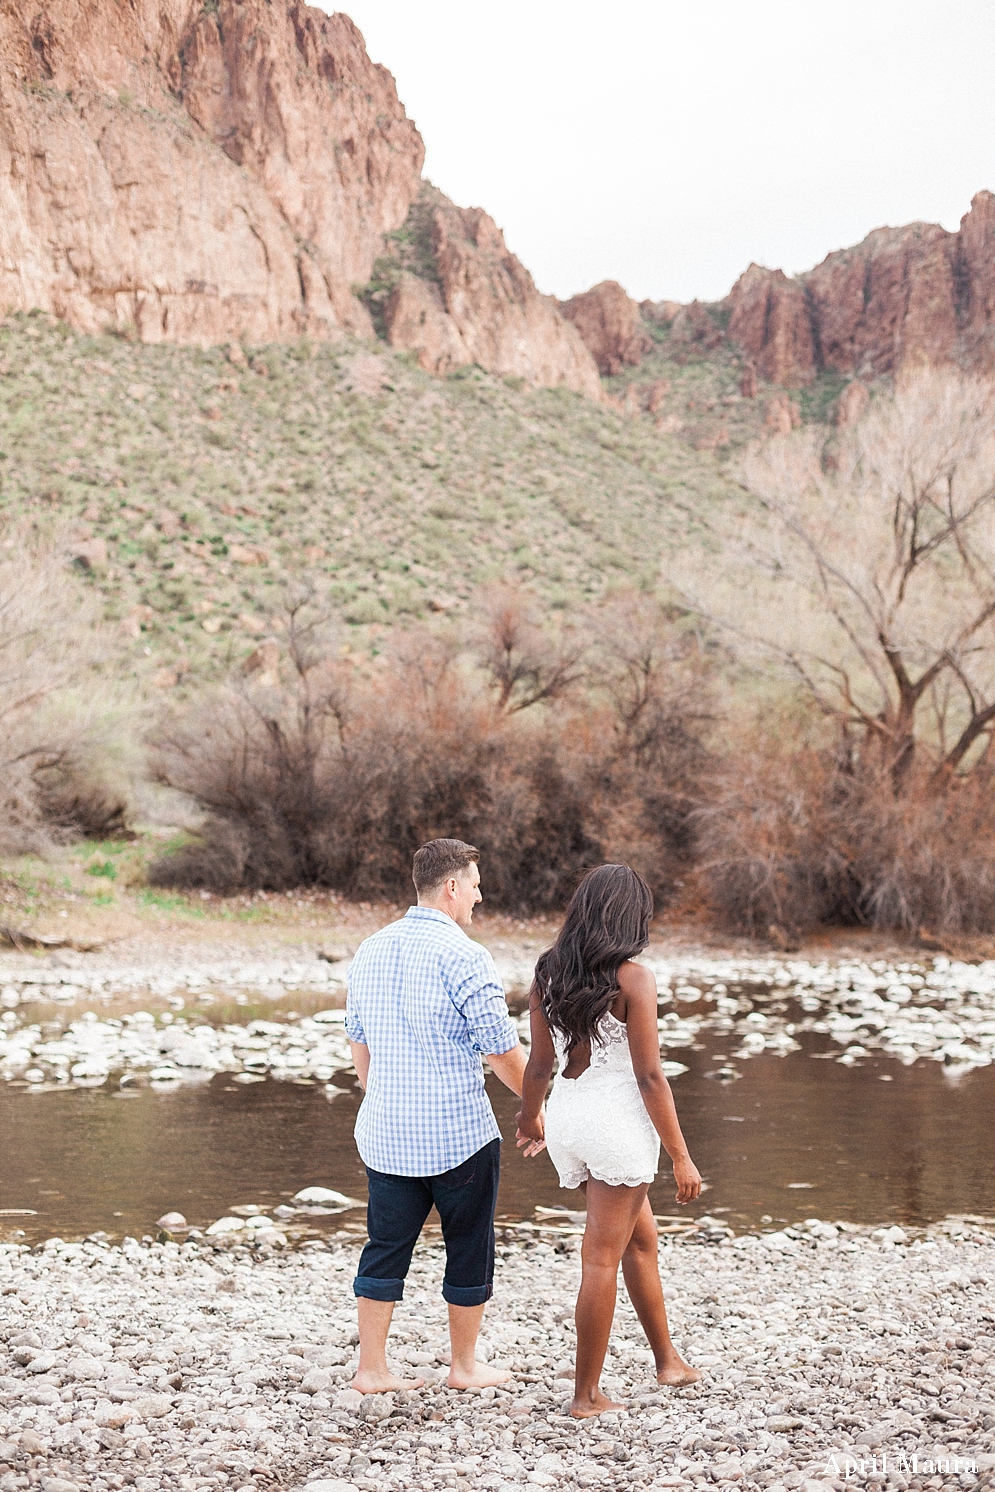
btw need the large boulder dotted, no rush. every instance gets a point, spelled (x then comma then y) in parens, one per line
(611, 325)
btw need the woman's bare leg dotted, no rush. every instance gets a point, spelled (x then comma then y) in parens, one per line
(611, 1213)
(641, 1272)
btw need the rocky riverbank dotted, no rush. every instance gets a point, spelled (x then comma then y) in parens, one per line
(934, 1009)
(214, 1365)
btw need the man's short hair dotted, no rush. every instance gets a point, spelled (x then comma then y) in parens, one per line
(436, 861)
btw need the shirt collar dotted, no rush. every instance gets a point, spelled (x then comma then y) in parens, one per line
(430, 912)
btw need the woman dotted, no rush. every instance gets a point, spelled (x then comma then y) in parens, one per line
(595, 1012)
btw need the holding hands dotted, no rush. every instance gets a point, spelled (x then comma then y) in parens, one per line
(531, 1133)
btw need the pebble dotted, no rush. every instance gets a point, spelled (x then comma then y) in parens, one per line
(325, 1198)
(840, 1341)
(172, 1220)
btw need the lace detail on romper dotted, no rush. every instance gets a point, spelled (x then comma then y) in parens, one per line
(610, 1052)
(597, 1124)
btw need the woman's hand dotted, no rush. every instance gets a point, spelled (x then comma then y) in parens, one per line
(688, 1179)
(531, 1133)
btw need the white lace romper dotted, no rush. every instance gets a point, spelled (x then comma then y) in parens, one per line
(597, 1124)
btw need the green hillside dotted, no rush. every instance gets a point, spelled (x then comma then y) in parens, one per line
(194, 483)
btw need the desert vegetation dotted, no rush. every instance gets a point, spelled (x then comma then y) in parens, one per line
(329, 606)
(195, 484)
(550, 748)
(56, 709)
(864, 568)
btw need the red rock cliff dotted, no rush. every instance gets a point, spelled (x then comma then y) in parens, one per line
(197, 172)
(771, 322)
(473, 301)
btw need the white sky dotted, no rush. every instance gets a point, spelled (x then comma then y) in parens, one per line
(667, 143)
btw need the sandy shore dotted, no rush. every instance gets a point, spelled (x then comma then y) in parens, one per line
(161, 1367)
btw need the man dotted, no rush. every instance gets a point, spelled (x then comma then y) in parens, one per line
(424, 1005)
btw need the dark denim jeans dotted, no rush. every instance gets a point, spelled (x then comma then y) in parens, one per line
(466, 1198)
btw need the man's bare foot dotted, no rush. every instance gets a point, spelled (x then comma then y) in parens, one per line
(678, 1374)
(383, 1383)
(479, 1376)
(599, 1404)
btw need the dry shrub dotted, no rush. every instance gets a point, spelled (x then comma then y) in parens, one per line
(796, 837)
(525, 660)
(338, 775)
(80, 787)
(53, 778)
(865, 570)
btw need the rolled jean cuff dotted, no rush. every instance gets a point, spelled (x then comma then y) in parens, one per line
(466, 1295)
(369, 1288)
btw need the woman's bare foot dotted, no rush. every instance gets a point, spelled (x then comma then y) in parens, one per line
(383, 1383)
(478, 1376)
(678, 1374)
(598, 1404)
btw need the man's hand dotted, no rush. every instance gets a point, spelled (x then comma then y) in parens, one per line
(510, 1068)
(531, 1135)
(688, 1179)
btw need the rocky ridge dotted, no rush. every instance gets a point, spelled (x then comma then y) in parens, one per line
(902, 298)
(237, 171)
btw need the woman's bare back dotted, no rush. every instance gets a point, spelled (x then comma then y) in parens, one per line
(580, 1056)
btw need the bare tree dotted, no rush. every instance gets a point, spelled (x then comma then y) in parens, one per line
(651, 672)
(871, 575)
(527, 663)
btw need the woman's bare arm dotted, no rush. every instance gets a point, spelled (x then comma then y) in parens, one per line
(542, 1060)
(638, 988)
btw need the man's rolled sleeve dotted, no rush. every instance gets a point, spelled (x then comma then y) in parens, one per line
(481, 1002)
(491, 1038)
(354, 1026)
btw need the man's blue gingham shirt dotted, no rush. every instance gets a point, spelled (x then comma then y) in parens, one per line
(427, 1002)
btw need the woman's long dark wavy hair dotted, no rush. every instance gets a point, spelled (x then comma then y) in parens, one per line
(607, 922)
